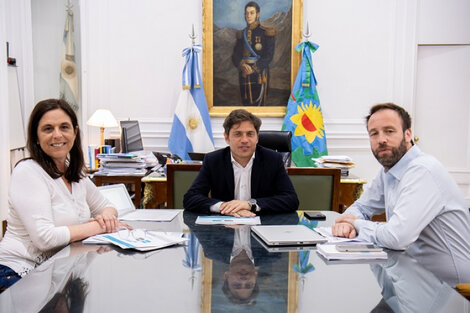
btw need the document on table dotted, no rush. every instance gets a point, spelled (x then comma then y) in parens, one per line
(227, 220)
(331, 253)
(326, 232)
(151, 215)
(150, 241)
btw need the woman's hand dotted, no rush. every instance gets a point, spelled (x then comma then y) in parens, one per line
(107, 219)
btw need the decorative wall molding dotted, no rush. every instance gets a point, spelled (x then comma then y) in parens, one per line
(345, 135)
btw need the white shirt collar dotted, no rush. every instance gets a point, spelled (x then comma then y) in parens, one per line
(249, 165)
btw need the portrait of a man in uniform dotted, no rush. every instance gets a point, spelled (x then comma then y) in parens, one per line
(251, 52)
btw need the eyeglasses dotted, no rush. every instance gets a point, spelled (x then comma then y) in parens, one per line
(134, 235)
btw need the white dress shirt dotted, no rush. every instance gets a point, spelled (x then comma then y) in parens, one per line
(426, 214)
(242, 241)
(242, 182)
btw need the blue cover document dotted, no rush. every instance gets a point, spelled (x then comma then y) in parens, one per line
(227, 220)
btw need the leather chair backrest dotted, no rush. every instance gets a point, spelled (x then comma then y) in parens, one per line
(277, 140)
(179, 179)
(316, 188)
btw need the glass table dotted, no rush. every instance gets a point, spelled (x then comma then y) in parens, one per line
(225, 269)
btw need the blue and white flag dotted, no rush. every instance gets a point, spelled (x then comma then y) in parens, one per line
(191, 130)
(68, 69)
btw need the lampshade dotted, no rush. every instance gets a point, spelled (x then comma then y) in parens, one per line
(102, 118)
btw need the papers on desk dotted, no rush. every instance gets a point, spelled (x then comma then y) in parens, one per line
(151, 215)
(228, 220)
(330, 252)
(138, 239)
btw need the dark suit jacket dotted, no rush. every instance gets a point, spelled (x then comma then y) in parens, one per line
(270, 185)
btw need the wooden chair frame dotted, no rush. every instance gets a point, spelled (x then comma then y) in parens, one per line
(336, 173)
(170, 170)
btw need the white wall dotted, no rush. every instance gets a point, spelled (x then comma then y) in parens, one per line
(131, 61)
(133, 66)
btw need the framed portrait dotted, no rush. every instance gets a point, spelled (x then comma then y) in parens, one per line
(249, 59)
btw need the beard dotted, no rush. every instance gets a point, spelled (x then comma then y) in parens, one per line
(389, 160)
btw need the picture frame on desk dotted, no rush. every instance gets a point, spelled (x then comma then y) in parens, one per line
(221, 22)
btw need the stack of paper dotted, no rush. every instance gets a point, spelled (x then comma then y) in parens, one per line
(121, 163)
(343, 162)
(331, 253)
(151, 241)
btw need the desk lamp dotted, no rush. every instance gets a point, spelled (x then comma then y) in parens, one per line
(102, 118)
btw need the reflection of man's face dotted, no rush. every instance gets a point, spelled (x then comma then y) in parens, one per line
(241, 276)
(250, 15)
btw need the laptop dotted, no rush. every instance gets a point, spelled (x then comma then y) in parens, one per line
(287, 235)
(283, 248)
(117, 194)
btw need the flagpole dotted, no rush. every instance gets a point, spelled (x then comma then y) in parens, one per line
(307, 34)
(193, 37)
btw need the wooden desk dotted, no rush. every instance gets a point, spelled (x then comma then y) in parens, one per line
(350, 189)
(123, 179)
(155, 191)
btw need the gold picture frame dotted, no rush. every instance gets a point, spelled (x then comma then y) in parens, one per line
(208, 61)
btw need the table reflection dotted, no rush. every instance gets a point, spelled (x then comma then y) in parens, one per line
(244, 275)
(408, 287)
(59, 285)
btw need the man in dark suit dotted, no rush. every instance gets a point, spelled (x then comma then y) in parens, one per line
(243, 179)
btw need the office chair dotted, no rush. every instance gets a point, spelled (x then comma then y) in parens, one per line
(316, 188)
(179, 178)
(277, 140)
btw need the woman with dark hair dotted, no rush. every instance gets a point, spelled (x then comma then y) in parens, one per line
(51, 201)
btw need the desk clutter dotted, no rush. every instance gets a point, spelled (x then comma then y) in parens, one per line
(121, 163)
(138, 239)
(109, 163)
(343, 162)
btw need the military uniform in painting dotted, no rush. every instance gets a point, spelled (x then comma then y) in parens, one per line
(254, 47)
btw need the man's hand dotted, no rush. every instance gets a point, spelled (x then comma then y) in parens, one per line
(344, 226)
(236, 208)
(246, 69)
(343, 230)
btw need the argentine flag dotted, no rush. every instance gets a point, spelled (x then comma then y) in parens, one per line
(191, 130)
(68, 69)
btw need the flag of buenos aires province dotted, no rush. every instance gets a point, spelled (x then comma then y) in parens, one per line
(191, 130)
(304, 117)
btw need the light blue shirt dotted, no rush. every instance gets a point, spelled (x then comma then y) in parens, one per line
(426, 215)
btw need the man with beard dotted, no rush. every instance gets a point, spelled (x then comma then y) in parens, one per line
(426, 213)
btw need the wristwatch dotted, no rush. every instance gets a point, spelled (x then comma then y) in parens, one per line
(253, 206)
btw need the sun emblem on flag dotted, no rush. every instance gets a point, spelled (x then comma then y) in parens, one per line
(309, 121)
(193, 123)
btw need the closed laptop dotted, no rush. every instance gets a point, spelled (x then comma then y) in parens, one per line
(287, 235)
